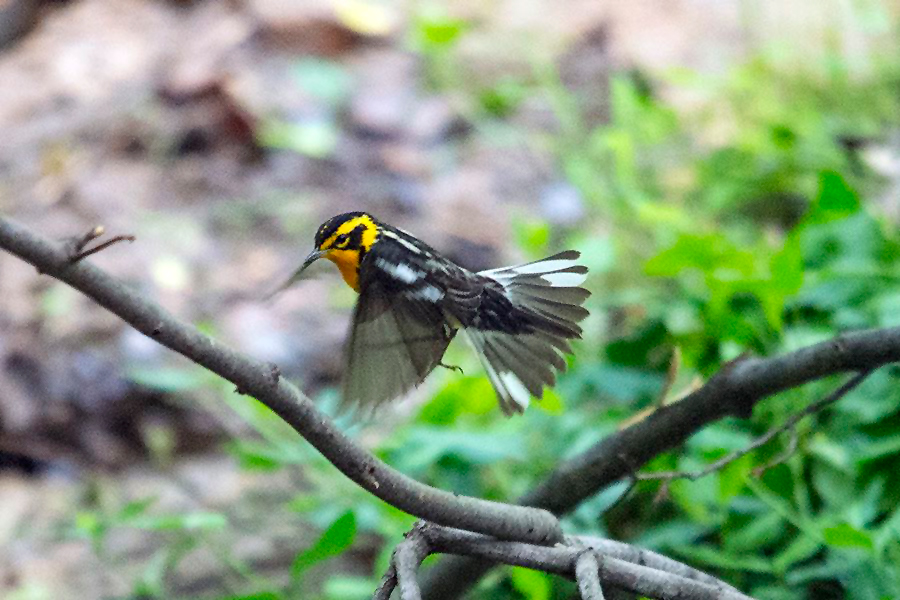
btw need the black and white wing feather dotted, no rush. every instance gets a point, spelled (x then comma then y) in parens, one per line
(398, 336)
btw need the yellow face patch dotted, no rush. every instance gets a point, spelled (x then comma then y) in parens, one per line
(341, 249)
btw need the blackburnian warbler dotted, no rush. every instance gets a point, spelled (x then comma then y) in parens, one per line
(413, 301)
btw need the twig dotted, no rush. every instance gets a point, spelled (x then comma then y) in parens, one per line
(387, 585)
(793, 443)
(255, 378)
(761, 440)
(587, 574)
(79, 253)
(78, 243)
(115, 240)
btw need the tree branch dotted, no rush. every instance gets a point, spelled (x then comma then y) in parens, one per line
(761, 440)
(647, 558)
(263, 383)
(587, 560)
(665, 580)
(734, 390)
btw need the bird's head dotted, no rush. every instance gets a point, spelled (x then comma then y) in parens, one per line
(349, 232)
(344, 240)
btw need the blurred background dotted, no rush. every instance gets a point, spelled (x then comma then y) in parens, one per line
(730, 170)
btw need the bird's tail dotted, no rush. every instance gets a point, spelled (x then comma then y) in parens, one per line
(545, 294)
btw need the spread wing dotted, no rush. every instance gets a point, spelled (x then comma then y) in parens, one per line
(398, 337)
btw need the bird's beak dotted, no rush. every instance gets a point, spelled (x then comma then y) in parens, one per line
(313, 257)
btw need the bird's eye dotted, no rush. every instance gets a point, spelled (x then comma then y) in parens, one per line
(341, 240)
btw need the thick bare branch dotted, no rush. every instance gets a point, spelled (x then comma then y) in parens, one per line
(762, 440)
(256, 379)
(732, 392)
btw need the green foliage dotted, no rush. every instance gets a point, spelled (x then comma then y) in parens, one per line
(335, 540)
(532, 585)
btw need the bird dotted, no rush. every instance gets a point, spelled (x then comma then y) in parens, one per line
(412, 302)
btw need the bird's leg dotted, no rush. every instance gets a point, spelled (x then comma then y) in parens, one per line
(451, 367)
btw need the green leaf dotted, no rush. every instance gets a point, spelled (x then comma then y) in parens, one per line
(665, 214)
(503, 98)
(425, 446)
(532, 235)
(461, 396)
(90, 524)
(802, 548)
(59, 300)
(533, 585)
(714, 556)
(135, 508)
(624, 384)
(847, 536)
(282, 438)
(889, 531)
(551, 403)
(335, 540)
(835, 200)
(689, 251)
(254, 456)
(732, 478)
(782, 507)
(672, 533)
(787, 266)
(764, 529)
(436, 32)
(873, 449)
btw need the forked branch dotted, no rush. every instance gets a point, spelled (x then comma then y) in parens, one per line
(591, 562)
